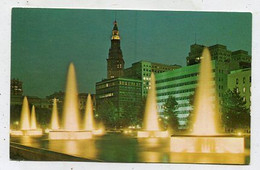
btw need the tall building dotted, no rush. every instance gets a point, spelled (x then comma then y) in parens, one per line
(115, 61)
(16, 87)
(142, 70)
(241, 81)
(118, 90)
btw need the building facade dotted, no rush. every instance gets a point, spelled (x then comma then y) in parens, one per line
(121, 92)
(142, 70)
(181, 83)
(241, 81)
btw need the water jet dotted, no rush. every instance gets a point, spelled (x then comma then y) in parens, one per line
(28, 123)
(206, 136)
(151, 124)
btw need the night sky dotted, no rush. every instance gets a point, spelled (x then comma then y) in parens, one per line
(45, 41)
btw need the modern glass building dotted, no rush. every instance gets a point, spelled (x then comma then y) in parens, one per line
(142, 70)
(181, 84)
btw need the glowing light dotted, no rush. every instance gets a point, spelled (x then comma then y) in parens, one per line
(205, 137)
(47, 130)
(54, 116)
(151, 115)
(98, 132)
(71, 122)
(207, 144)
(16, 132)
(205, 109)
(25, 115)
(26, 129)
(70, 135)
(71, 112)
(156, 134)
(151, 119)
(36, 132)
(89, 120)
(33, 118)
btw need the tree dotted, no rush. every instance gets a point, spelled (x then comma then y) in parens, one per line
(190, 117)
(170, 113)
(235, 114)
(108, 114)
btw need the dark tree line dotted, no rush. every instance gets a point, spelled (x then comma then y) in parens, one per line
(128, 115)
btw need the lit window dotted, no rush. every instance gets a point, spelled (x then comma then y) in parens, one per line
(244, 89)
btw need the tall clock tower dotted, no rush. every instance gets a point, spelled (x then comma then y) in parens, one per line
(115, 61)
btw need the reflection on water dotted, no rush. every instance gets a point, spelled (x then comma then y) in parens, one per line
(120, 148)
(150, 157)
(81, 148)
(214, 158)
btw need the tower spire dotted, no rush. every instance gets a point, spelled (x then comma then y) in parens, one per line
(115, 32)
(115, 61)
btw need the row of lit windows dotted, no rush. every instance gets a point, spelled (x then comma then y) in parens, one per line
(177, 85)
(129, 83)
(120, 83)
(129, 87)
(146, 78)
(243, 89)
(179, 105)
(176, 92)
(119, 66)
(106, 95)
(176, 98)
(155, 66)
(177, 77)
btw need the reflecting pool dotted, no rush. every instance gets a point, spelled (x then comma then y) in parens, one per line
(114, 147)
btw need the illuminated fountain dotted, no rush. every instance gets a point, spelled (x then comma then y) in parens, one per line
(89, 123)
(71, 121)
(54, 116)
(151, 125)
(28, 124)
(206, 136)
(33, 118)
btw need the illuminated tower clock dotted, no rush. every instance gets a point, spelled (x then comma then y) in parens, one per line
(115, 61)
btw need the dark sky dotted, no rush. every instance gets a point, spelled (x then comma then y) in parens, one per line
(45, 41)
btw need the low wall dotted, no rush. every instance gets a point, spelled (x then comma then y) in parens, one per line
(21, 152)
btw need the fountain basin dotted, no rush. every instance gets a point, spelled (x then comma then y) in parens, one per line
(64, 135)
(149, 134)
(33, 132)
(207, 144)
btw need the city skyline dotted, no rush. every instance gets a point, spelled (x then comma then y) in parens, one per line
(45, 41)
